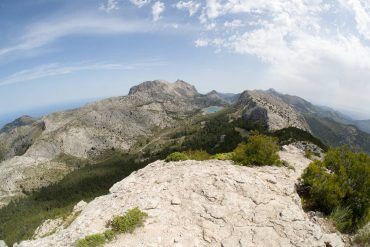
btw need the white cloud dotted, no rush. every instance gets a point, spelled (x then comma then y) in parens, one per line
(213, 9)
(109, 6)
(306, 47)
(140, 3)
(55, 69)
(44, 33)
(361, 10)
(234, 23)
(201, 43)
(190, 6)
(157, 9)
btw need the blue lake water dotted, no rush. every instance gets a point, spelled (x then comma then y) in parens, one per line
(212, 109)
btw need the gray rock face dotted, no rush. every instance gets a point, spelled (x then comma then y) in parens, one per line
(209, 203)
(114, 123)
(270, 110)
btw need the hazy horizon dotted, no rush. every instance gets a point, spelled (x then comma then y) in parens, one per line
(42, 110)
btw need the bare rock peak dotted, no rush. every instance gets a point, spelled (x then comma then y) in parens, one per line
(178, 88)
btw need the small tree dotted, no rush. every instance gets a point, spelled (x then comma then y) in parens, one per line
(259, 150)
(340, 186)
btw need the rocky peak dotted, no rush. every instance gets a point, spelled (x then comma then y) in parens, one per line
(267, 107)
(21, 121)
(159, 87)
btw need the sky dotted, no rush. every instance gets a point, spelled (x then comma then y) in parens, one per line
(53, 52)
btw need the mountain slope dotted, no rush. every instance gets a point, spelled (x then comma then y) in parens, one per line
(86, 133)
(209, 203)
(363, 125)
(17, 136)
(269, 111)
(330, 126)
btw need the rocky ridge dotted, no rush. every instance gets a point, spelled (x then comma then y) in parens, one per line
(208, 203)
(270, 110)
(111, 124)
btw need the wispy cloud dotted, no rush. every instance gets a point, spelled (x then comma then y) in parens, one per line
(55, 69)
(157, 10)
(140, 3)
(43, 33)
(109, 6)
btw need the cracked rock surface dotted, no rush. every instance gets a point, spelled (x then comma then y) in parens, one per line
(205, 203)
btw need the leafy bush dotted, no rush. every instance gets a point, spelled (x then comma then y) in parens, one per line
(339, 185)
(223, 156)
(341, 217)
(176, 156)
(127, 223)
(259, 150)
(93, 240)
(197, 155)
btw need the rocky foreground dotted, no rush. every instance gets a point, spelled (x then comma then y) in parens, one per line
(203, 203)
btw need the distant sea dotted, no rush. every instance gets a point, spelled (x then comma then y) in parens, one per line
(43, 110)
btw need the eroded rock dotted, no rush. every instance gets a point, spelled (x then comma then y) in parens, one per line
(208, 203)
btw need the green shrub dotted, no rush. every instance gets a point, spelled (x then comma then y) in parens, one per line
(223, 156)
(109, 235)
(176, 156)
(93, 240)
(121, 224)
(127, 223)
(197, 155)
(339, 185)
(259, 150)
(341, 217)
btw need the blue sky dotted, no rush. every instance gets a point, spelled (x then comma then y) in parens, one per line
(54, 52)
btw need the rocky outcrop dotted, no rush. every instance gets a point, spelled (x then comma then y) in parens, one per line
(209, 203)
(270, 110)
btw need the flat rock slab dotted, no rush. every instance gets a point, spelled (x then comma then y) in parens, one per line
(205, 203)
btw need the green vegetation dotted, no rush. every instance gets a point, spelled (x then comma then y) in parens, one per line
(259, 150)
(217, 135)
(223, 156)
(121, 224)
(289, 135)
(197, 155)
(189, 155)
(132, 219)
(20, 218)
(339, 186)
(93, 240)
(335, 134)
(176, 156)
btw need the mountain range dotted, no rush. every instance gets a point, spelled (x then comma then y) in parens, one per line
(36, 152)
